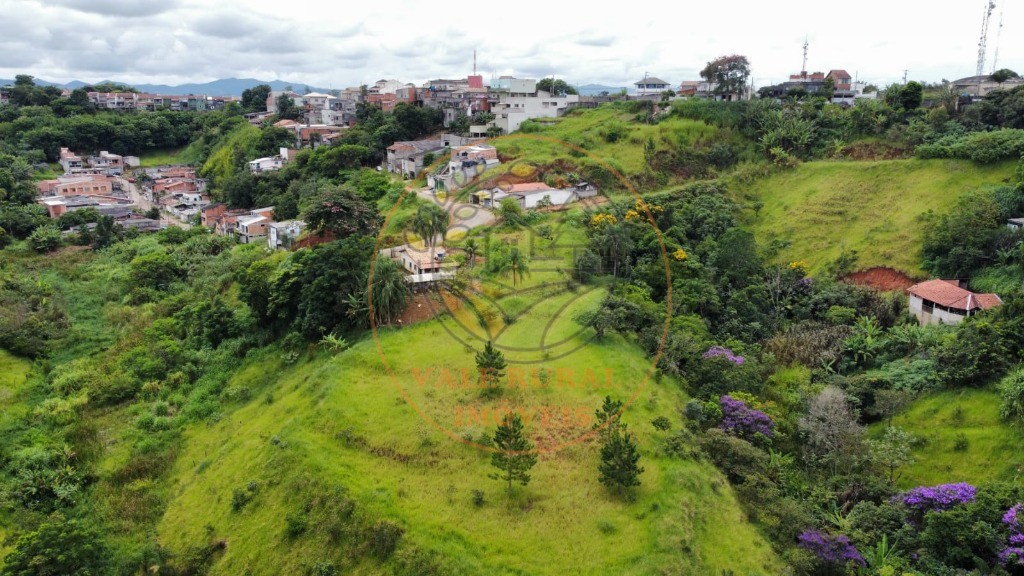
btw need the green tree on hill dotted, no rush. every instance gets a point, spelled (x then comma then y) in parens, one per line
(490, 365)
(730, 73)
(620, 467)
(514, 457)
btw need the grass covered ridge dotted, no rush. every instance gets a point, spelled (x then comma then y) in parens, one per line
(821, 209)
(960, 439)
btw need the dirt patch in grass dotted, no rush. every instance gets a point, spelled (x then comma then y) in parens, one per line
(426, 305)
(881, 279)
(875, 151)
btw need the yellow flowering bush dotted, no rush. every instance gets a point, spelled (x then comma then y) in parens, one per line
(679, 255)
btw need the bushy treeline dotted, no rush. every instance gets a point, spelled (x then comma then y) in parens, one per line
(786, 371)
(810, 127)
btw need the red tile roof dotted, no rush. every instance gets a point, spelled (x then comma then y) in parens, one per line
(528, 188)
(947, 293)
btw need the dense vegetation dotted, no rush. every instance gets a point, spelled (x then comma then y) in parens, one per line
(180, 404)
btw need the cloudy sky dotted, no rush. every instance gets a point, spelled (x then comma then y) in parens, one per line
(338, 44)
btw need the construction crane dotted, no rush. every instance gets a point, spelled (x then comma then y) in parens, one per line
(989, 6)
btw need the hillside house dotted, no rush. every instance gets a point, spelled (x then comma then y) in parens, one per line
(946, 302)
(268, 164)
(529, 195)
(465, 165)
(77, 185)
(650, 86)
(979, 86)
(521, 103)
(282, 235)
(406, 158)
(70, 161)
(253, 227)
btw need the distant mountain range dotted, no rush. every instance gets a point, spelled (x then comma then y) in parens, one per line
(235, 86)
(222, 87)
(596, 89)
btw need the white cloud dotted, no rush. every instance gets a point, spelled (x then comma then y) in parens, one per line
(329, 44)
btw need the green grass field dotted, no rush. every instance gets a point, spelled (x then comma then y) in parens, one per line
(164, 157)
(607, 134)
(393, 422)
(820, 209)
(14, 373)
(993, 447)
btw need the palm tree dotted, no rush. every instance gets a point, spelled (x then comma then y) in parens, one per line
(430, 221)
(517, 265)
(470, 247)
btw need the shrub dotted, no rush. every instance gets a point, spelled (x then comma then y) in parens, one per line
(384, 536)
(295, 524)
(478, 498)
(830, 549)
(1012, 390)
(45, 239)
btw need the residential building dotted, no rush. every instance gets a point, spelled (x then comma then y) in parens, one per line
(406, 158)
(466, 164)
(70, 161)
(275, 95)
(108, 163)
(253, 227)
(979, 86)
(946, 302)
(77, 185)
(268, 164)
(529, 195)
(650, 86)
(515, 107)
(282, 235)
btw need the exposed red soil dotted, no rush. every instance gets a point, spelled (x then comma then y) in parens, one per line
(881, 279)
(874, 151)
(426, 305)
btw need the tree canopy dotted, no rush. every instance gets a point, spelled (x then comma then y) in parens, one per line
(730, 73)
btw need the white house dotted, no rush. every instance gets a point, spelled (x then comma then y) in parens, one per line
(650, 86)
(514, 108)
(945, 302)
(266, 164)
(529, 195)
(283, 234)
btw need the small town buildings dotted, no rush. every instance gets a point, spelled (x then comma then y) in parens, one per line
(650, 86)
(946, 302)
(282, 235)
(108, 163)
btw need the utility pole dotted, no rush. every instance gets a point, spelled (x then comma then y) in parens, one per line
(905, 76)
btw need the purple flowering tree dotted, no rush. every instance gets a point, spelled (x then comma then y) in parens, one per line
(722, 352)
(830, 549)
(1013, 554)
(937, 498)
(743, 421)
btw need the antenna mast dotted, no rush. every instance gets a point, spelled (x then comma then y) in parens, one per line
(990, 4)
(804, 67)
(474, 61)
(999, 34)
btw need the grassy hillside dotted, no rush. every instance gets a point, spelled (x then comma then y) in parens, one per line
(820, 209)
(14, 373)
(992, 450)
(611, 136)
(342, 421)
(381, 425)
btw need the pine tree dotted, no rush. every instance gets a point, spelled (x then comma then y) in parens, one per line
(514, 457)
(490, 364)
(608, 417)
(620, 461)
